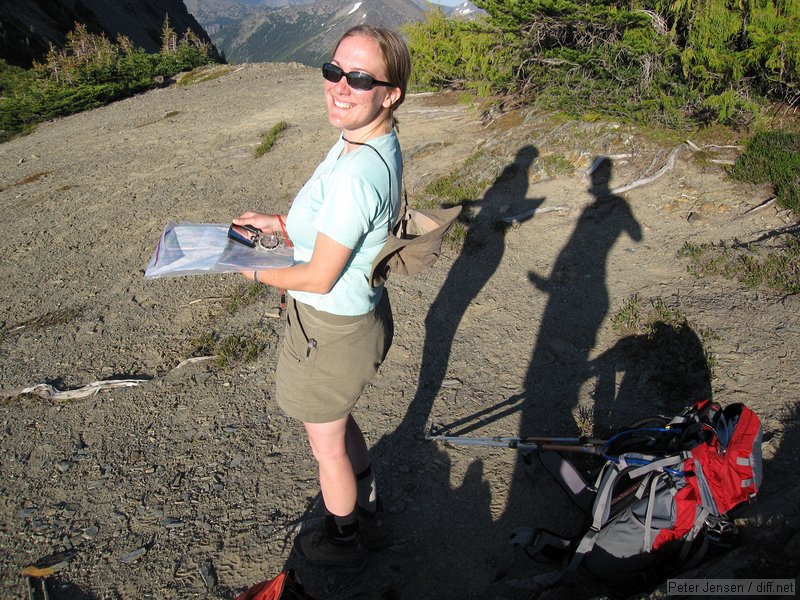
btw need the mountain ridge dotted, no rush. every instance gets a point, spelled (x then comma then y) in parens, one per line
(300, 31)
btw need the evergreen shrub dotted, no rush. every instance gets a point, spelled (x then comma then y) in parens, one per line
(88, 72)
(773, 157)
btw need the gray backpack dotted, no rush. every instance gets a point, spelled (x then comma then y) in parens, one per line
(660, 501)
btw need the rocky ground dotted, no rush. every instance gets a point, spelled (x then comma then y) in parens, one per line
(190, 483)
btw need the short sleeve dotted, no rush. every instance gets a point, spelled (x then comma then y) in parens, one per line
(349, 209)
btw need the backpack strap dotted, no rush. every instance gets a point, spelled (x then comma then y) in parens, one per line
(565, 473)
(648, 517)
(600, 513)
(661, 464)
(702, 514)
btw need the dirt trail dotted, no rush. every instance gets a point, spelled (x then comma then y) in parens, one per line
(194, 477)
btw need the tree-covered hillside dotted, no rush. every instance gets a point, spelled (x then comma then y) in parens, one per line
(680, 62)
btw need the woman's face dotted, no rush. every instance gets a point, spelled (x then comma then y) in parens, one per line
(359, 112)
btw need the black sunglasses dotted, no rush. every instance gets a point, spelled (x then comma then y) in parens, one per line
(355, 79)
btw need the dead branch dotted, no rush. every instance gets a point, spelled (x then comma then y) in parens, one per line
(45, 390)
(208, 299)
(530, 213)
(695, 148)
(669, 166)
(764, 204)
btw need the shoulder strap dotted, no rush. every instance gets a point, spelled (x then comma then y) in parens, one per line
(565, 473)
(403, 197)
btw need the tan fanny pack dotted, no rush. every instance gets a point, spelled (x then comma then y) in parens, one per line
(415, 242)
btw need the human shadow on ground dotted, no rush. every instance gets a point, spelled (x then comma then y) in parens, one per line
(658, 371)
(577, 304)
(432, 514)
(560, 364)
(484, 247)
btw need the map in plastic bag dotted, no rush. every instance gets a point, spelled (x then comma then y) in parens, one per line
(203, 248)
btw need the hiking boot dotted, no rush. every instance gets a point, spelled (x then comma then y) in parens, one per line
(322, 550)
(373, 528)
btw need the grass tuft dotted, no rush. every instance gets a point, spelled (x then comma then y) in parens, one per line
(268, 139)
(777, 267)
(239, 348)
(203, 345)
(230, 350)
(245, 296)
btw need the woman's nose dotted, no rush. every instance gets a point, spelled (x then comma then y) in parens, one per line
(342, 86)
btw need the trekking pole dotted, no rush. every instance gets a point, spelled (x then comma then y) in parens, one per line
(583, 444)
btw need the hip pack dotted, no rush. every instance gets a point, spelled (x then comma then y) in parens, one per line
(415, 241)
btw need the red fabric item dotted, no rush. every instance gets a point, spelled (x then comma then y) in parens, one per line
(687, 501)
(267, 590)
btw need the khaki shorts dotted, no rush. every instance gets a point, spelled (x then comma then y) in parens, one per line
(327, 360)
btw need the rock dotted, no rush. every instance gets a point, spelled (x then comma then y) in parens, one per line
(133, 556)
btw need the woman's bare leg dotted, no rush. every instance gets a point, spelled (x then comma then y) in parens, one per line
(337, 478)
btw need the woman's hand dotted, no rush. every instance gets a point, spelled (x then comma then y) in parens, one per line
(319, 275)
(265, 223)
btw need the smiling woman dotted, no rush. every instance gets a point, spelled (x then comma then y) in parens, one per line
(362, 111)
(339, 326)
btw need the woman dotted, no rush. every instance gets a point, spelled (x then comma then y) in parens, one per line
(339, 329)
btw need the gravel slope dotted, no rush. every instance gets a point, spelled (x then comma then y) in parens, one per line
(191, 484)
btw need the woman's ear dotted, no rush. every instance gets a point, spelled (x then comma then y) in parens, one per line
(392, 98)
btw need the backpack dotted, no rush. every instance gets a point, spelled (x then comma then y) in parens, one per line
(282, 587)
(661, 499)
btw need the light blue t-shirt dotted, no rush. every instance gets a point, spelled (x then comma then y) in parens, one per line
(350, 198)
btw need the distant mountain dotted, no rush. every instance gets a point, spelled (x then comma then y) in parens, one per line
(213, 15)
(302, 32)
(28, 27)
(466, 10)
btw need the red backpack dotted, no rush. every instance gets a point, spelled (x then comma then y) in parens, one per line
(660, 499)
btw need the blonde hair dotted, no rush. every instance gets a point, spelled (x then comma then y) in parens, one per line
(396, 57)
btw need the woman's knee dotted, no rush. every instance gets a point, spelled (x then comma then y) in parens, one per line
(328, 441)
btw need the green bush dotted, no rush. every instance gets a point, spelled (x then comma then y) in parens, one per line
(452, 54)
(88, 72)
(678, 63)
(773, 157)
